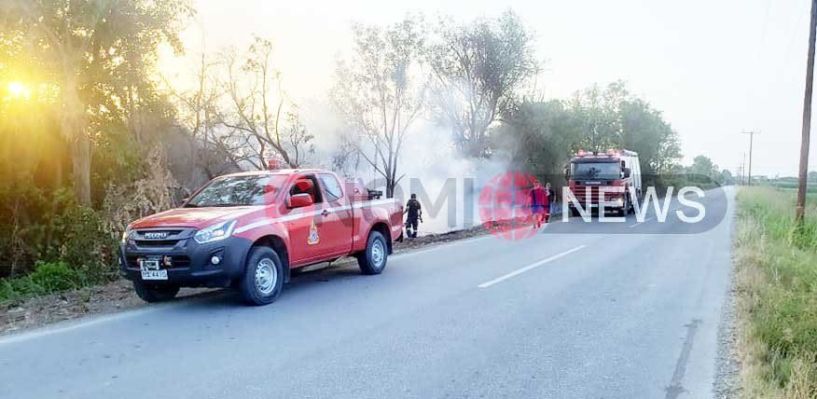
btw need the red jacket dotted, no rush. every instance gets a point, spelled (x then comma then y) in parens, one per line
(538, 197)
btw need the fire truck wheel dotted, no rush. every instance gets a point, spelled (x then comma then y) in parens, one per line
(574, 212)
(155, 292)
(373, 260)
(625, 209)
(263, 277)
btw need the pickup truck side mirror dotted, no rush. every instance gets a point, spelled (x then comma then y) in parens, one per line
(627, 172)
(300, 201)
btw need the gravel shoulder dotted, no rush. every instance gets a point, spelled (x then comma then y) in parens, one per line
(727, 380)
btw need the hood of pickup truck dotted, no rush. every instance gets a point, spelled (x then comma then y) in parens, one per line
(193, 217)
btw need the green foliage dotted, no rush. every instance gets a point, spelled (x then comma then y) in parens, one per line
(541, 136)
(51, 227)
(56, 276)
(47, 278)
(782, 302)
(644, 130)
(703, 166)
(92, 114)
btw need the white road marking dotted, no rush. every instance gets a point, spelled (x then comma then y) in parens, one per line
(529, 267)
(643, 221)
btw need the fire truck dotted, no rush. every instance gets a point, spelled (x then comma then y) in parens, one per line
(614, 174)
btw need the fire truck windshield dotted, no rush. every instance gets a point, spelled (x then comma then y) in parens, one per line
(237, 191)
(596, 170)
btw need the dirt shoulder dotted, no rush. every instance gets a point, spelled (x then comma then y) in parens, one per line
(118, 295)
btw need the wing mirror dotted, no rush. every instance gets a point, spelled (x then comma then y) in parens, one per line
(627, 172)
(300, 201)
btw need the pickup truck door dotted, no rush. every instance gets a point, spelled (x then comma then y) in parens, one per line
(304, 226)
(337, 218)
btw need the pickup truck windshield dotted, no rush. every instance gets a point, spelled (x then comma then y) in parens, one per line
(237, 191)
(596, 170)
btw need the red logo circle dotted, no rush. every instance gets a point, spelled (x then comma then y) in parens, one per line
(506, 208)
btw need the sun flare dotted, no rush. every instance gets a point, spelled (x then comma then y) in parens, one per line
(18, 90)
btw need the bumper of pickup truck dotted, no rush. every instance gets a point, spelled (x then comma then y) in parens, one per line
(188, 263)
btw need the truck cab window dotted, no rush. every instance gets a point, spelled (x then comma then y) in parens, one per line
(236, 191)
(331, 187)
(307, 185)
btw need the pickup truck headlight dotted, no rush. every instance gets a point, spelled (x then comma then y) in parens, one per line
(216, 232)
(126, 234)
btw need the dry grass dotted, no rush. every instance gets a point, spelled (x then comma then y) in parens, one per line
(776, 282)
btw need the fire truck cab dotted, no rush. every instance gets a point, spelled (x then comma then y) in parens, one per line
(612, 178)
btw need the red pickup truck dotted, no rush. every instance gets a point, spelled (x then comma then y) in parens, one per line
(249, 230)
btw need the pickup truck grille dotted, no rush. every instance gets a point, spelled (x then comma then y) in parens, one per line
(161, 238)
(156, 243)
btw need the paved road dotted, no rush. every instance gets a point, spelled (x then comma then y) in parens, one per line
(558, 315)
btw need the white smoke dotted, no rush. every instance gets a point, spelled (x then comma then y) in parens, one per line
(446, 183)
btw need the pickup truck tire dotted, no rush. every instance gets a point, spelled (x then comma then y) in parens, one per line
(373, 259)
(152, 293)
(263, 277)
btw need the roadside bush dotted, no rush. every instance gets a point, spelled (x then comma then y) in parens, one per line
(57, 276)
(47, 278)
(48, 243)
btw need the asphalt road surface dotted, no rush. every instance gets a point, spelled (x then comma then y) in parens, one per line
(567, 313)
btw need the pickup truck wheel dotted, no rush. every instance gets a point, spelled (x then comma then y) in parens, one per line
(152, 293)
(373, 260)
(263, 277)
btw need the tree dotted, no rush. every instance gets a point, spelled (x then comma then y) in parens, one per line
(213, 148)
(478, 69)
(601, 112)
(380, 90)
(703, 166)
(97, 53)
(726, 178)
(539, 136)
(614, 118)
(259, 112)
(644, 131)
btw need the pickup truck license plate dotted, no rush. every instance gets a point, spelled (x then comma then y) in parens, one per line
(150, 270)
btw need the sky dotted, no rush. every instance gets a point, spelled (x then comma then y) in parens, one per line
(714, 68)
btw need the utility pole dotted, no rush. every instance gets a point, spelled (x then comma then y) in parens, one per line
(751, 142)
(800, 211)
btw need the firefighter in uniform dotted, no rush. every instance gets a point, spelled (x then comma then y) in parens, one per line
(414, 216)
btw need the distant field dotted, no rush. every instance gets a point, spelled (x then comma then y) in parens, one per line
(789, 185)
(776, 282)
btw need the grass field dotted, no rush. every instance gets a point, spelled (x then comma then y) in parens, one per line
(776, 282)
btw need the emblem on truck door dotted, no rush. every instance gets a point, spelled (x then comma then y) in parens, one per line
(313, 238)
